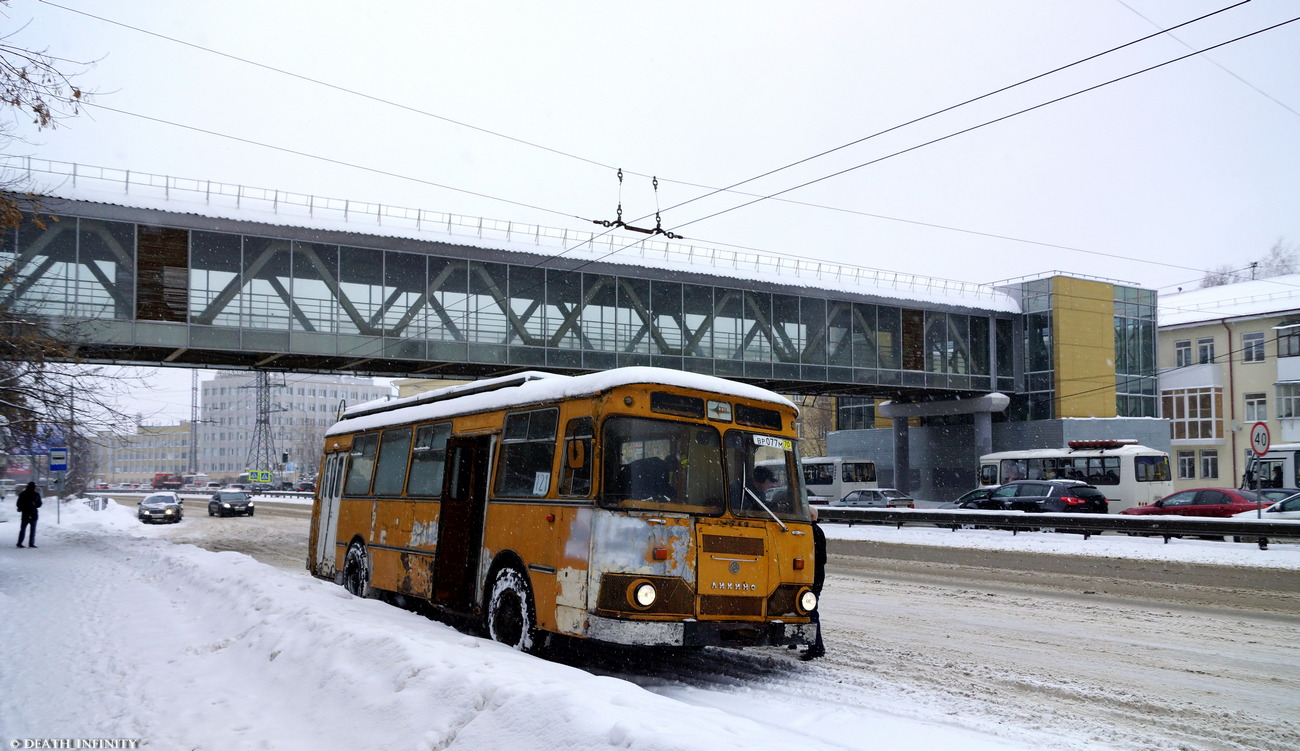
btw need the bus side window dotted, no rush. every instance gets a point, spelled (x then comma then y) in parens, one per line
(390, 470)
(361, 465)
(575, 475)
(428, 460)
(527, 453)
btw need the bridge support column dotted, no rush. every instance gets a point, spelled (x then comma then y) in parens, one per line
(983, 433)
(902, 456)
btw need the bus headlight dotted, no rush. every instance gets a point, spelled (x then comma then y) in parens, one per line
(807, 602)
(642, 594)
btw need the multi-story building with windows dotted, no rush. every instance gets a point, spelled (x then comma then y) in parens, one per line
(303, 406)
(1077, 363)
(137, 457)
(1229, 357)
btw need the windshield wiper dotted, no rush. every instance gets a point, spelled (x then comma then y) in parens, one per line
(759, 501)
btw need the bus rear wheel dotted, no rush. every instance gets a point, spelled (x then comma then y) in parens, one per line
(510, 614)
(356, 570)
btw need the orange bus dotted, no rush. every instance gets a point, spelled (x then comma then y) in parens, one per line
(620, 506)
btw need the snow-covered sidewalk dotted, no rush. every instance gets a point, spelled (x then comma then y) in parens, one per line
(111, 632)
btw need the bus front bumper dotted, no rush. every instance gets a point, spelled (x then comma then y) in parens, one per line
(700, 633)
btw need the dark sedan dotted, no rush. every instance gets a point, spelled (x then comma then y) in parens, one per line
(160, 507)
(1037, 496)
(1217, 502)
(230, 503)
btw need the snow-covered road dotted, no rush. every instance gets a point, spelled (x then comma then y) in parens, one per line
(116, 630)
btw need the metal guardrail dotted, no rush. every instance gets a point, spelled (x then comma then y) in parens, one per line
(1250, 530)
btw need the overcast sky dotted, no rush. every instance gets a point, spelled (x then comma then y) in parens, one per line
(1149, 180)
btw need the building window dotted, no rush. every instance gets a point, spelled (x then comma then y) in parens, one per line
(1186, 465)
(1183, 353)
(1194, 413)
(1288, 341)
(1209, 464)
(1252, 347)
(1204, 351)
(1288, 400)
(1256, 407)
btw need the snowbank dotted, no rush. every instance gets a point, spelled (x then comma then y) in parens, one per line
(114, 633)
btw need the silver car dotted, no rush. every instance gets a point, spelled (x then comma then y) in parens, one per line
(159, 508)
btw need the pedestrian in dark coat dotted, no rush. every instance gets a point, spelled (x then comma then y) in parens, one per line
(819, 576)
(28, 501)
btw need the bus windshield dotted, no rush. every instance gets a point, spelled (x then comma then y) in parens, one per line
(659, 465)
(751, 479)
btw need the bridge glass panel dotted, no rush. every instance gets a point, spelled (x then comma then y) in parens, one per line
(528, 319)
(45, 268)
(633, 316)
(406, 279)
(979, 348)
(215, 278)
(361, 289)
(757, 335)
(564, 310)
(599, 313)
(728, 331)
(315, 288)
(697, 320)
(790, 335)
(889, 343)
(106, 270)
(448, 300)
(486, 308)
(265, 298)
(666, 302)
(864, 335)
(839, 333)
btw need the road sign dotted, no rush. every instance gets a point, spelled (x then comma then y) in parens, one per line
(1259, 438)
(58, 460)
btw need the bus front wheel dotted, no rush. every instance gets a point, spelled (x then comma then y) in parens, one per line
(356, 570)
(510, 614)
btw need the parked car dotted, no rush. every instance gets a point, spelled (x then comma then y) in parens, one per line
(230, 503)
(160, 507)
(970, 496)
(1219, 502)
(876, 498)
(1288, 508)
(1276, 494)
(1037, 496)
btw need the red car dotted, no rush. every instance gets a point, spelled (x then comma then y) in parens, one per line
(1203, 502)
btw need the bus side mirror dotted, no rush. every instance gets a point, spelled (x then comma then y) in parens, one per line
(577, 454)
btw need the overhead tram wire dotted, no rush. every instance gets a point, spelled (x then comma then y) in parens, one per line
(712, 191)
(329, 160)
(327, 84)
(540, 263)
(988, 123)
(950, 108)
(1216, 64)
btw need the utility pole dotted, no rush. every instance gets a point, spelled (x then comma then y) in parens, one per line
(194, 422)
(261, 453)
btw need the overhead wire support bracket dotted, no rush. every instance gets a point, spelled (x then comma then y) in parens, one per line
(618, 221)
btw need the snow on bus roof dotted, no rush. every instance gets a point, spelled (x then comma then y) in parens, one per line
(531, 387)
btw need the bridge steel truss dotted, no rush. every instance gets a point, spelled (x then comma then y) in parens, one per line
(153, 287)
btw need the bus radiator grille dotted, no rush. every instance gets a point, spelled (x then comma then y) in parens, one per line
(726, 605)
(733, 545)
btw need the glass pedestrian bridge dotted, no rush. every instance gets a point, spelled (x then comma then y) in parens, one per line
(148, 269)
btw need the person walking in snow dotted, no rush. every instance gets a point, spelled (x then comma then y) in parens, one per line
(28, 501)
(819, 577)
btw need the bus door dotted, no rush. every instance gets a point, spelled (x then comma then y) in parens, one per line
(327, 528)
(460, 521)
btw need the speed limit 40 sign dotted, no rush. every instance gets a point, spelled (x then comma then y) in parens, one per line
(1259, 438)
